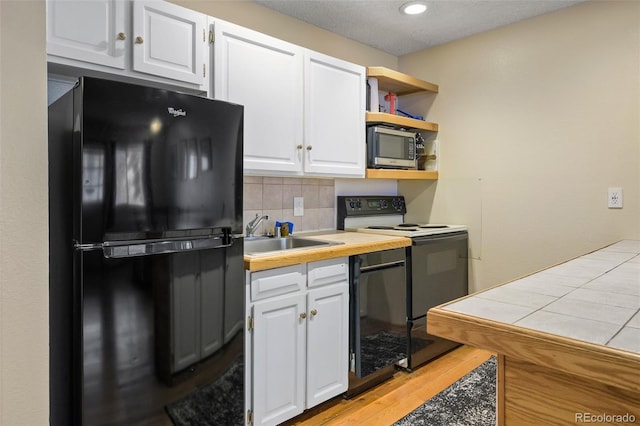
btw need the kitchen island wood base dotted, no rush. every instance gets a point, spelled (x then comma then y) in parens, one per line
(548, 379)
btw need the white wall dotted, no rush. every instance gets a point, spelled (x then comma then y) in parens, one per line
(24, 302)
(537, 120)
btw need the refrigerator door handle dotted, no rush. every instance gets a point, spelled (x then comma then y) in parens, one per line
(113, 250)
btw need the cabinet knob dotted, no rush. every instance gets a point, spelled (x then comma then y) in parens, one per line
(122, 36)
(309, 147)
(139, 40)
(299, 146)
(303, 315)
(314, 312)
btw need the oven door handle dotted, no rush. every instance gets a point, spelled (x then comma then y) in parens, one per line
(381, 266)
(433, 239)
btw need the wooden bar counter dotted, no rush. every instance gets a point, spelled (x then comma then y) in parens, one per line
(567, 339)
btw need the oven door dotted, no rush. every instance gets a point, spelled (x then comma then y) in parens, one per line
(438, 273)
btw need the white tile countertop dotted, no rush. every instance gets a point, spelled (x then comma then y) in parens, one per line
(593, 298)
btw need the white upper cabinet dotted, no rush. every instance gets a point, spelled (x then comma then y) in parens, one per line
(334, 116)
(265, 75)
(169, 41)
(304, 111)
(150, 40)
(88, 30)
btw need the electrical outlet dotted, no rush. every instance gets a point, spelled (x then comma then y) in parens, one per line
(298, 206)
(615, 198)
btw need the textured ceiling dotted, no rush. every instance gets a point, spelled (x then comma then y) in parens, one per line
(380, 24)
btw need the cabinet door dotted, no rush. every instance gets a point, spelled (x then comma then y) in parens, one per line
(334, 116)
(327, 342)
(265, 75)
(87, 30)
(278, 359)
(169, 41)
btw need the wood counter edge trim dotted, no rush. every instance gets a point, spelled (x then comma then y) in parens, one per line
(500, 391)
(597, 362)
(259, 263)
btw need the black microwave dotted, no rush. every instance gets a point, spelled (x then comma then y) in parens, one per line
(390, 148)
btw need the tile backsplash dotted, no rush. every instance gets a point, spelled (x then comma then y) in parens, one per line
(273, 196)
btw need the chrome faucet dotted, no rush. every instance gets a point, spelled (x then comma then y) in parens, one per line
(253, 225)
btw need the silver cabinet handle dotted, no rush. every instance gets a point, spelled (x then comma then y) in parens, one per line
(299, 146)
(314, 312)
(139, 40)
(303, 315)
(309, 147)
(122, 36)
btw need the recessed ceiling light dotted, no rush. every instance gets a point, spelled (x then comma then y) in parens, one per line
(413, 8)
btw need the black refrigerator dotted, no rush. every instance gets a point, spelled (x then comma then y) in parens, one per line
(146, 257)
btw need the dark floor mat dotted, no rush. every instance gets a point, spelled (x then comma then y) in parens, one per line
(471, 401)
(219, 403)
(382, 349)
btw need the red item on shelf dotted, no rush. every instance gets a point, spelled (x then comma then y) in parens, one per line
(391, 98)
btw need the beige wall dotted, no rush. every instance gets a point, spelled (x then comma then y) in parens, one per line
(24, 303)
(537, 120)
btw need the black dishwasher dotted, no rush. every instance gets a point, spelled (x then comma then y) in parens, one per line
(378, 323)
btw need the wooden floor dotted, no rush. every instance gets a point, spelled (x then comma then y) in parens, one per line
(390, 401)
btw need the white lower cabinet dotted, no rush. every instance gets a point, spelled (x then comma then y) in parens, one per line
(297, 347)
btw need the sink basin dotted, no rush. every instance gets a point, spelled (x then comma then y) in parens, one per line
(264, 245)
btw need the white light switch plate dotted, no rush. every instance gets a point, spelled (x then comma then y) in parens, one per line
(298, 206)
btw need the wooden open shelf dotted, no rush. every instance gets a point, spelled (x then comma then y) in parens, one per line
(397, 120)
(401, 174)
(401, 84)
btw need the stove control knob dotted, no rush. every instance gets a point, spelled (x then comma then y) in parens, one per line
(359, 204)
(384, 204)
(352, 204)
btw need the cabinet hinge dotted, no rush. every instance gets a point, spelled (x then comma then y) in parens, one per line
(249, 417)
(204, 35)
(250, 323)
(204, 70)
(212, 37)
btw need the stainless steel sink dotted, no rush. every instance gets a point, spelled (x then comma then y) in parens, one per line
(264, 245)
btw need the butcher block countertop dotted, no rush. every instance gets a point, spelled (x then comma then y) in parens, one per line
(567, 339)
(353, 243)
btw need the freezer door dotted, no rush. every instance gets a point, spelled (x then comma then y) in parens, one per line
(155, 330)
(154, 163)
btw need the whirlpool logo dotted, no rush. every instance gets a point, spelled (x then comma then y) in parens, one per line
(177, 112)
